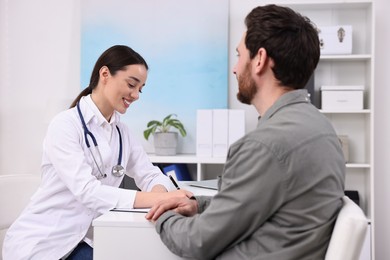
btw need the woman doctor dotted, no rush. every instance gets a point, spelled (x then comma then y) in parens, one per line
(86, 151)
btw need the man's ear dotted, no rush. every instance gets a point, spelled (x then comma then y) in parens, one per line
(260, 60)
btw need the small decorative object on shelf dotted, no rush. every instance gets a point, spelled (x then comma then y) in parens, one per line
(336, 39)
(165, 141)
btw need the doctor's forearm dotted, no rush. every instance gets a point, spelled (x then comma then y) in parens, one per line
(148, 199)
(159, 188)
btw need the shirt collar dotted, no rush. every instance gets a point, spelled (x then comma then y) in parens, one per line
(92, 112)
(289, 98)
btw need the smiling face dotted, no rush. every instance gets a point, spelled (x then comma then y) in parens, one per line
(116, 92)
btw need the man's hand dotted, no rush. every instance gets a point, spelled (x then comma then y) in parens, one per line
(184, 206)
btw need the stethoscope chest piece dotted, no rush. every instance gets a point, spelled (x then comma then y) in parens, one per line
(118, 171)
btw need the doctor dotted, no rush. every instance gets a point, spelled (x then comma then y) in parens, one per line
(86, 152)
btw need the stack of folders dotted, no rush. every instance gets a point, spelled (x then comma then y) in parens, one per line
(178, 171)
(217, 129)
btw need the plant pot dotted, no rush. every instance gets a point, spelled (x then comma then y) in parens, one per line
(165, 143)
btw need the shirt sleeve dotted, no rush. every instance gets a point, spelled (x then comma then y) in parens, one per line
(251, 191)
(139, 167)
(65, 152)
(126, 199)
(203, 202)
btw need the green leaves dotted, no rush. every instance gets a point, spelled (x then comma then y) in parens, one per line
(164, 126)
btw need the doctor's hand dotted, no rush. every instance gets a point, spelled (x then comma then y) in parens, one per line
(148, 199)
(184, 206)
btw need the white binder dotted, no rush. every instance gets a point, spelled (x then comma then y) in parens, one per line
(236, 125)
(204, 132)
(220, 132)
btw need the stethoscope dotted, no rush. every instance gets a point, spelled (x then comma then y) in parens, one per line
(118, 169)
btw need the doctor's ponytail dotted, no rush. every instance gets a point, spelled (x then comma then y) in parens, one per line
(83, 93)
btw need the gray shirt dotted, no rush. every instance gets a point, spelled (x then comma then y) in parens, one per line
(280, 192)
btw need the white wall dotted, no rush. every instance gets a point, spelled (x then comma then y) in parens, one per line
(40, 69)
(39, 75)
(382, 130)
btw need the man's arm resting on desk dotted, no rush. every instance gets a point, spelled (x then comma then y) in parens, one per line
(203, 202)
(176, 248)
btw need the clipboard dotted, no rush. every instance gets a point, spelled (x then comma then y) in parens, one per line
(143, 210)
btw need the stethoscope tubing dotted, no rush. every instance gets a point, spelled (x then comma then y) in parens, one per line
(89, 133)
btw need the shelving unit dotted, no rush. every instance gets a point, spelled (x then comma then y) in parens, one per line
(354, 69)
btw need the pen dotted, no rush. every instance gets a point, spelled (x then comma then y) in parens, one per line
(174, 182)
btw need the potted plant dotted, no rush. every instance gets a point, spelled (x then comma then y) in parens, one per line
(165, 141)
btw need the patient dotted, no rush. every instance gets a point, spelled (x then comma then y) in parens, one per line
(282, 184)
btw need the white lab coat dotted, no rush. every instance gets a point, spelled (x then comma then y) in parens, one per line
(70, 197)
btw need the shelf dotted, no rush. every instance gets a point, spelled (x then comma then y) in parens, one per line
(358, 165)
(363, 111)
(352, 57)
(186, 158)
(193, 159)
(322, 4)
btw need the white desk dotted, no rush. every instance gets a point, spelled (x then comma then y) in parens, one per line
(128, 235)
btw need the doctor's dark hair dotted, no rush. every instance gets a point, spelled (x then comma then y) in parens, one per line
(290, 40)
(115, 58)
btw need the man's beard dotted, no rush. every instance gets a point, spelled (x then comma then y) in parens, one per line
(246, 87)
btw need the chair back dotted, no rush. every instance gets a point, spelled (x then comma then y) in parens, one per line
(15, 193)
(348, 233)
